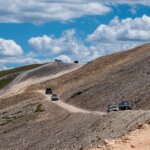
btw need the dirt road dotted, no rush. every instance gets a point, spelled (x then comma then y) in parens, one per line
(69, 108)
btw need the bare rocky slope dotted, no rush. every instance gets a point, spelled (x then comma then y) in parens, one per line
(34, 123)
(138, 139)
(28, 120)
(108, 79)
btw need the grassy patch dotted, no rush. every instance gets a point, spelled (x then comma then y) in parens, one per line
(19, 69)
(4, 82)
(39, 108)
(5, 120)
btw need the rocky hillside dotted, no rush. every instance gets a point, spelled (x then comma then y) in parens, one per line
(36, 75)
(137, 140)
(108, 79)
(30, 120)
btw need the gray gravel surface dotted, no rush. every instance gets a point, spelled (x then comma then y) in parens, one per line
(29, 122)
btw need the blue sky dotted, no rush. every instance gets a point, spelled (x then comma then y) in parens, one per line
(37, 31)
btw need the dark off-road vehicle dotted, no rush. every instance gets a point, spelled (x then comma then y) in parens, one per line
(54, 97)
(125, 105)
(48, 91)
(58, 61)
(112, 107)
(76, 61)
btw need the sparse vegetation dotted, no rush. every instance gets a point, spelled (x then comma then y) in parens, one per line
(5, 120)
(39, 108)
(5, 117)
(4, 82)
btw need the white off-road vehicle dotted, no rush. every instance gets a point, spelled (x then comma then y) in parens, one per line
(112, 107)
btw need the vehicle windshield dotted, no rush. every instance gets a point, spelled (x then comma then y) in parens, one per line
(114, 106)
(125, 103)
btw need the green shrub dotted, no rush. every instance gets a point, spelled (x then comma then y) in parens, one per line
(4, 82)
(39, 108)
(5, 120)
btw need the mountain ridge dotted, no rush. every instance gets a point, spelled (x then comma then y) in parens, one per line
(30, 120)
(112, 75)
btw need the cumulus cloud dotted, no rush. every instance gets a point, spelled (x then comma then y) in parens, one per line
(120, 35)
(143, 2)
(11, 62)
(44, 43)
(68, 44)
(25, 59)
(64, 58)
(41, 11)
(123, 30)
(9, 48)
(12, 54)
(106, 39)
(101, 49)
(133, 10)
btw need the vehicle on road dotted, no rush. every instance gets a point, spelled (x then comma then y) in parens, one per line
(58, 61)
(112, 107)
(48, 91)
(76, 61)
(125, 105)
(54, 97)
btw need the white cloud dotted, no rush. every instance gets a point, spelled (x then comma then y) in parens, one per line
(2, 67)
(143, 2)
(44, 43)
(102, 49)
(12, 61)
(19, 60)
(125, 30)
(64, 58)
(106, 39)
(133, 10)
(12, 54)
(9, 48)
(66, 44)
(119, 35)
(40, 11)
